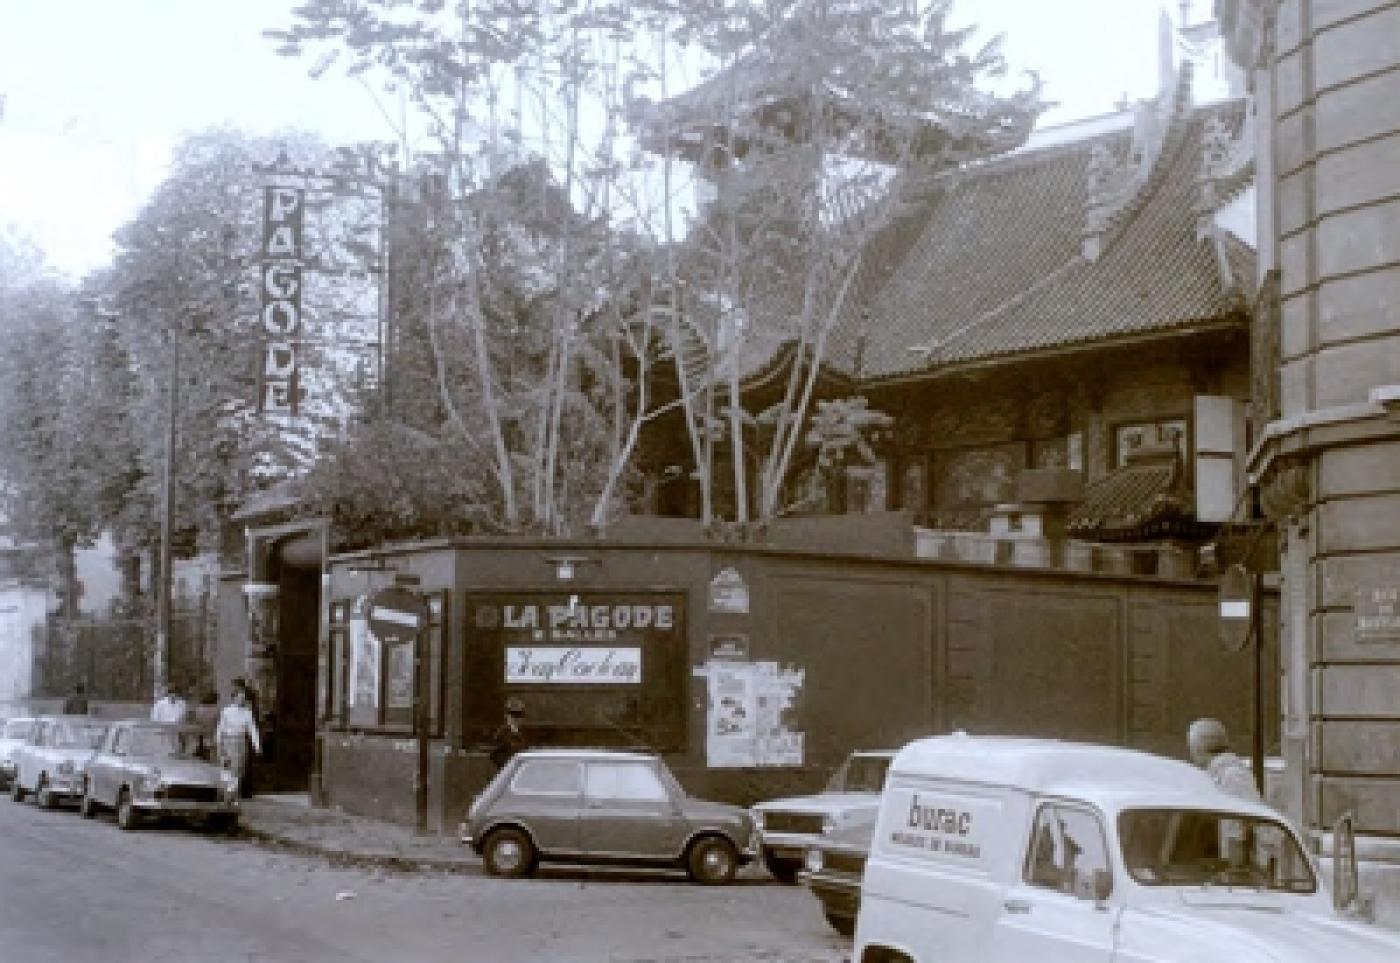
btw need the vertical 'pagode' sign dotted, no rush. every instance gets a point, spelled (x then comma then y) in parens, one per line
(281, 256)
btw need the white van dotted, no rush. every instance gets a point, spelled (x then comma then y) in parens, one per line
(1003, 850)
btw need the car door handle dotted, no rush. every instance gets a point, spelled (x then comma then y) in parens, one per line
(1016, 905)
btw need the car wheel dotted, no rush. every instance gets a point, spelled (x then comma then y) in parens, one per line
(87, 806)
(845, 925)
(508, 852)
(783, 870)
(712, 861)
(226, 823)
(127, 816)
(44, 795)
(16, 791)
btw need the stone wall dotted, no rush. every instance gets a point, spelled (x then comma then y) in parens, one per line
(862, 652)
(1327, 95)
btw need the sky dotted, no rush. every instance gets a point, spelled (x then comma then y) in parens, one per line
(96, 92)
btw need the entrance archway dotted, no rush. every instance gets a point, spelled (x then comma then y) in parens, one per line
(285, 606)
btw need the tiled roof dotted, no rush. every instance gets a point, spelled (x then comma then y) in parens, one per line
(998, 268)
(1145, 499)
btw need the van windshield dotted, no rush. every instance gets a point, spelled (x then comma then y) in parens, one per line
(1194, 847)
(860, 774)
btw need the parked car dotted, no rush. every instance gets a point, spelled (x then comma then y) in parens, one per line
(14, 734)
(603, 807)
(833, 868)
(151, 769)
(52, 762)
(994, 850)
(788, 827)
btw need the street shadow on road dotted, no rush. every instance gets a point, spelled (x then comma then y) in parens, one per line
(606, 874)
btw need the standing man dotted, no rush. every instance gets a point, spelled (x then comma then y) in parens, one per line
(236, 734)
(509, 738)
(170, 707)
(76, 704)
(1209, 744)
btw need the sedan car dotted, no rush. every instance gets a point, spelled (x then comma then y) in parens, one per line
(151, 769)
(52, 762)
(833, 869)
(788, 827)
(14, 734)
(603, 807)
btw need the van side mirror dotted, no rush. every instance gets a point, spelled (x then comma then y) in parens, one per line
(1347, 898)
(1346, 875)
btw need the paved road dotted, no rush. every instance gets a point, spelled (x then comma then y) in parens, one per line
(73, 891)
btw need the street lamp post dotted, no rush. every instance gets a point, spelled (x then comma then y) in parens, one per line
(162, 649)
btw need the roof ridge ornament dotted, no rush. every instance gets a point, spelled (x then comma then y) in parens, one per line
(1227, 165)
(1117, 184)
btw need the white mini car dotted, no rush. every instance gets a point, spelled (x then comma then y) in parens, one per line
(13, 734)
(1006, 850)
(52, 762)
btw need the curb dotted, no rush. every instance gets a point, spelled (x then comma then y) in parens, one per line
(342, 858)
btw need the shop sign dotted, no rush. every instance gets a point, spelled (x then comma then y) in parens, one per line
(577, 618)
(562, 665)
(1378, 614)
(280, 298)
(729, 648)
(729, 593)
(580, 639)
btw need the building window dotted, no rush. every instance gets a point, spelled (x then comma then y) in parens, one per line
(867, 489)
(1130, 436)
(912, 489)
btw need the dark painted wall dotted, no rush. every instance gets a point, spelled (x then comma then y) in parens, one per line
(891, 650)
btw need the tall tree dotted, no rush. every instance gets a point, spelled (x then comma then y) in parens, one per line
(825, 117)
(825, 121)
(184, 295)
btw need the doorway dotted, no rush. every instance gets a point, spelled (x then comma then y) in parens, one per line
(289, 749)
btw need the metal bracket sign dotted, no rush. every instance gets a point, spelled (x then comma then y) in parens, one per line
(396, 615)
(1378, 614)
(729, 593)
(733, 647)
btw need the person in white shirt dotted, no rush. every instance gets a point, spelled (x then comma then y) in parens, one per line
(236, 733)
(169, 707)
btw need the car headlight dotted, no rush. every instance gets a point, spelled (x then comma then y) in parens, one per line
(814, 861)
(829, 823)
(149, 783)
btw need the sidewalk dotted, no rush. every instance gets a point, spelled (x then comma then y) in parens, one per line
(289, 820)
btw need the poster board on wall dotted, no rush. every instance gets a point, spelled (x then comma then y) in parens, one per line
(751, 719)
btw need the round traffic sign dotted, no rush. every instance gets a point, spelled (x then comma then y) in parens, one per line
(396, 615)
(1235, 608)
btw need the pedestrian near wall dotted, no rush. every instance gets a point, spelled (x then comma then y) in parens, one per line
(509, 737)
(170, 707)
(237, 736)
(1209, 744)
(76, 704)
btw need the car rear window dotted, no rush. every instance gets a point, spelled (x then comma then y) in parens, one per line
(553, 777)
(632, 781)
